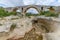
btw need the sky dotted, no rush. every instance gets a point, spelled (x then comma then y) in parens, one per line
(32, 10)
(13, 3)
(43, 2)
(10, 3)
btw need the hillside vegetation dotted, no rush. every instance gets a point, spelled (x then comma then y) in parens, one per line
(4, 13)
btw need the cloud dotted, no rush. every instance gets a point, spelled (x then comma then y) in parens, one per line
(29, 2)
(17, 2)
(45, 2)
(2, 4)
(58, 0)
(6, 3)
(55, 3)
(32, 10)
(11, 3)
(39, 2)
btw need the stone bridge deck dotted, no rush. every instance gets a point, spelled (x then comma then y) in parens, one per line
(23, 9)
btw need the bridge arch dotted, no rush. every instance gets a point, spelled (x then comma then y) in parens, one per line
(26, 9)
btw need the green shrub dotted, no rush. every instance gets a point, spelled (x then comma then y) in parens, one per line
(12, 13)
(4, 13)
(31, 14)
(13, 26)
(50, 14)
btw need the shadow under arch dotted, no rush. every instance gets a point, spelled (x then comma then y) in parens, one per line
(16, 10)
(31, 7)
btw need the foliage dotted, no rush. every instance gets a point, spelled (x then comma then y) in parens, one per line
(13, 26)
(4, 13)
(48, 13)
(0, 24)
(31, 14)
(12, 13)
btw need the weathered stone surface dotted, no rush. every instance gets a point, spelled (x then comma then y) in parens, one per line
(31, 35)
(33, 29)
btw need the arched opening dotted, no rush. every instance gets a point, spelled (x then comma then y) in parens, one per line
(18, 10)
(33, 10)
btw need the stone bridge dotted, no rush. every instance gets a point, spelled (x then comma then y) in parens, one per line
(24, 9)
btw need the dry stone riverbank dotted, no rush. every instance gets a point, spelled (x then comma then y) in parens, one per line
(29, 28)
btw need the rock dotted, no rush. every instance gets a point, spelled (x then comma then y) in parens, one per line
(31, 28)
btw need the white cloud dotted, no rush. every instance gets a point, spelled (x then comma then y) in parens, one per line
(11, 3)
(56, 4)
(32, 10)
(29, 2)
(44, 2)
(6, 3)
(17, 2)
(58, 0)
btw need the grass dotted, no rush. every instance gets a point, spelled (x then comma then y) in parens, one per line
(13, 26)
